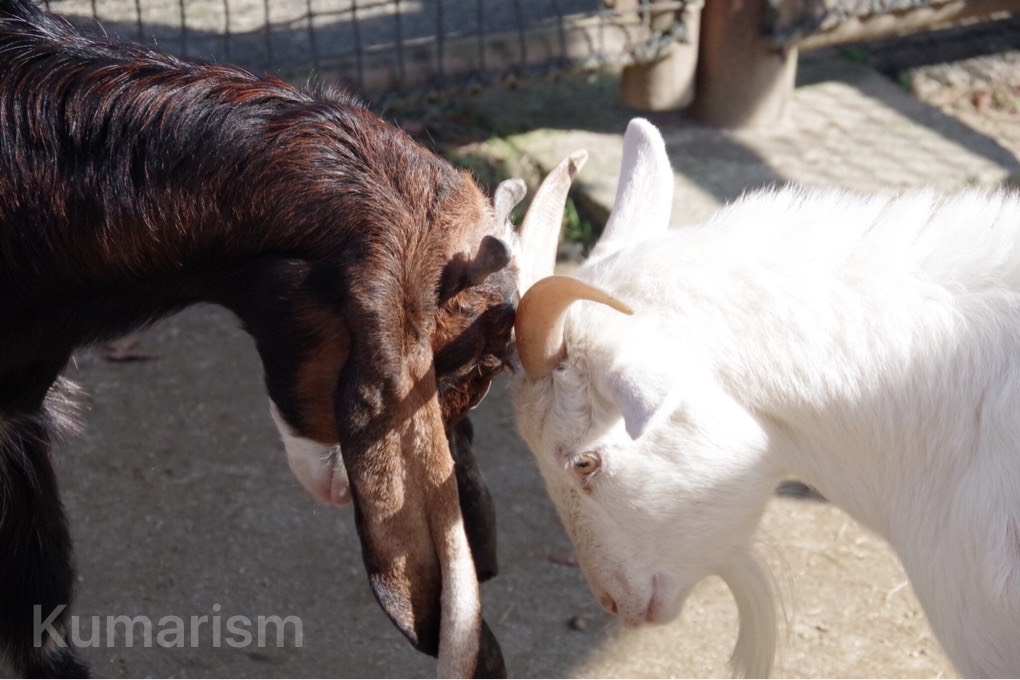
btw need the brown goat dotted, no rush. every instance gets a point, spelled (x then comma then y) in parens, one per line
(372, 276)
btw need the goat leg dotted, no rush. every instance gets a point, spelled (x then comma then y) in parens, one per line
(36, 566)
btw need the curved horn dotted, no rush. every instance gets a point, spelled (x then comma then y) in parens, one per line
(540, 231)
(540, 317)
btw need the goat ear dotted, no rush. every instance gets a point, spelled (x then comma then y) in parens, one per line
(643, 398)
(644, 391)
(508, 194)
(493, 255)
(644, 194)
(408, 516)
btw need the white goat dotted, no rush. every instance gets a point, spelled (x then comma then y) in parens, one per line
(867, 345)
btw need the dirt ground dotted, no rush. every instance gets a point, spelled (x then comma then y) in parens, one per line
(970, 73)
(182, 505)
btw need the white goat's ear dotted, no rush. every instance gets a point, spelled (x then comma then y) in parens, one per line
(644, 390)
(644, 194)
(643, 400)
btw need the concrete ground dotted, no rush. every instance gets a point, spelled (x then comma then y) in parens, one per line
(182, 504)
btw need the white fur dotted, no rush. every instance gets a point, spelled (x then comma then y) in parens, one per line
(644, 190)
(460, 629)
(866, 345)
(319, 467)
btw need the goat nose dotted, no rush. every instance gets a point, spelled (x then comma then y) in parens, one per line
(608, 604)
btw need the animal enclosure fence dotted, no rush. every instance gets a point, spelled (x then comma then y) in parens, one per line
(382, 46)
(741, 53)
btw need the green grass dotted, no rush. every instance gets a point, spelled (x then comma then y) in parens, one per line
(576, 228)
(855, 55)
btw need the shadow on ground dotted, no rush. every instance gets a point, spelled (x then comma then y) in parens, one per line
(182, 506)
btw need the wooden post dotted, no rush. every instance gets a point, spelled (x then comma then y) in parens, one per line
(666, 84)
(743, 80)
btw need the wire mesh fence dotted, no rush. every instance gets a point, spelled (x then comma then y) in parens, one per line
(789, 20)
(380, 46)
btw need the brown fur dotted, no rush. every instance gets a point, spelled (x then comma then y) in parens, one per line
(133, 184)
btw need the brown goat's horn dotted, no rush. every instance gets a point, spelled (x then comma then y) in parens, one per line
(540, 230)
(540, 317)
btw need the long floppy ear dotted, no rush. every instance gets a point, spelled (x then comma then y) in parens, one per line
(644, 194)
(416, 552)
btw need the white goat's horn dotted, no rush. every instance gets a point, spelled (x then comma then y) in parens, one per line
(540, 231)
(540, 317)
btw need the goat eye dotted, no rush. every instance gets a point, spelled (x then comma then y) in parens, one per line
(585, 465)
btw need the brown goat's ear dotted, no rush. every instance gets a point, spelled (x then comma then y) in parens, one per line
(492, 256)
(508, 194)
(461, 273)
(409, 519)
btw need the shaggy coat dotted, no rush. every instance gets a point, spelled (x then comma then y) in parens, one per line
(133, 184)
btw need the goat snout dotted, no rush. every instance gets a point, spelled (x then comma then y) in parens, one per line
(318, 467)
(656, 605)
(635, 613)
(653, 604)
(608, 603)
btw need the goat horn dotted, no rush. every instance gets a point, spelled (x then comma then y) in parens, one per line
(540, 230)
(540, 317)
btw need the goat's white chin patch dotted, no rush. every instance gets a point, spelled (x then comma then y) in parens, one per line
(318, 467)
